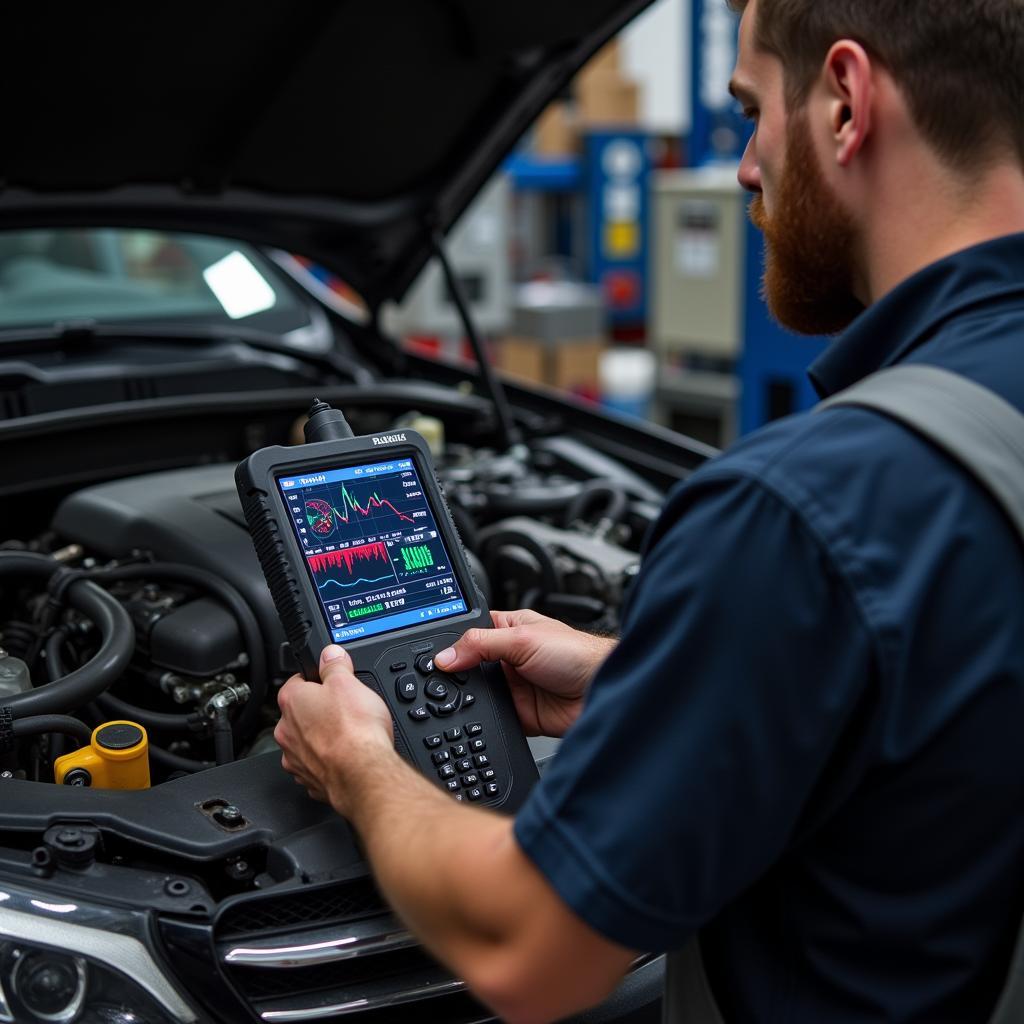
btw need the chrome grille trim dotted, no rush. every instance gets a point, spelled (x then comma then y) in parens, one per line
(323, 945)
(312, 1013)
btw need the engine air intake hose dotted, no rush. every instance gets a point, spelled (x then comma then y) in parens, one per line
(108, 664)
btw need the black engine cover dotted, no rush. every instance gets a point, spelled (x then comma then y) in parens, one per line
(189, 515)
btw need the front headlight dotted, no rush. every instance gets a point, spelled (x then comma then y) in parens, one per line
(71, 963)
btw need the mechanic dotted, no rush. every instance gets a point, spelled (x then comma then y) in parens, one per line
(805, 747)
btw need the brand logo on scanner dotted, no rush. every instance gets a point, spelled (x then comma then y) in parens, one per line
(389, 439)
(305, 480)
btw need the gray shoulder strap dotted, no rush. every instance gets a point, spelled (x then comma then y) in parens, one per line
(688, 997)
(985, 434)
(982, 431)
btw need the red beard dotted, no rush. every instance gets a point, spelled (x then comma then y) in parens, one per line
(809, 243)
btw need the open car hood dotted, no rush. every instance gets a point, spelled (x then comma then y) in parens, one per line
(345, 131)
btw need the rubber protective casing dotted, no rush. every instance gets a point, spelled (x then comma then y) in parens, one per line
(298, 607)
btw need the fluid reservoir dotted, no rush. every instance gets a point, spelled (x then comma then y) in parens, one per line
(117, 757)
(14, 675)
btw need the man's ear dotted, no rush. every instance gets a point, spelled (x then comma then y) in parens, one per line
(847, 79)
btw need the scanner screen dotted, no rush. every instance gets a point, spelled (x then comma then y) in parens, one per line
(372, 547)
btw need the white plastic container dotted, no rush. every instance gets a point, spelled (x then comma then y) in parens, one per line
(627, 380)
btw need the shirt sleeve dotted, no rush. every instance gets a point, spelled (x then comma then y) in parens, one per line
(705, 746)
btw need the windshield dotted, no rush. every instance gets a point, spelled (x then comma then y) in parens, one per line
(111, 275)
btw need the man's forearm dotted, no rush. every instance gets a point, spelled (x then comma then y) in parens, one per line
(457, 877)
(430, 856)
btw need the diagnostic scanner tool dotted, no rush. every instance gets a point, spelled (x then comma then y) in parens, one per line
(359, 548)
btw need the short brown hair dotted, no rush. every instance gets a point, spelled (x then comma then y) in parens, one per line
(960, 63)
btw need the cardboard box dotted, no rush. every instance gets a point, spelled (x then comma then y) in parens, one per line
(608, 58)
(571, 365)
(555, 134)
(607, 99)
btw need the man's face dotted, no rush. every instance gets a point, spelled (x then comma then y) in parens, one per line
(810, 237)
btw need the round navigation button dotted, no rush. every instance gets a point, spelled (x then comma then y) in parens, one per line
(436, 688)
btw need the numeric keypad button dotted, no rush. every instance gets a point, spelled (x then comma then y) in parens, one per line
(478, 745)
(474, 729)
(447, 771)
(432, 742)
(481, 760)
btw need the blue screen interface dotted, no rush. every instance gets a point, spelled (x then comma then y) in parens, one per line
(372, 547)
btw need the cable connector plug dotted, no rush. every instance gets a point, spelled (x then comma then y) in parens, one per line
(325, 424)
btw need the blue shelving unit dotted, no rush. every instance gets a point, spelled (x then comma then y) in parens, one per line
(544, 175)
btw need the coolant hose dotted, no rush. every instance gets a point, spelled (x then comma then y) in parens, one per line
(597, 492)
(103, 669)
(38, 724)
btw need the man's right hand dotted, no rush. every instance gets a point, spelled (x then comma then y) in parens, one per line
(548, 665)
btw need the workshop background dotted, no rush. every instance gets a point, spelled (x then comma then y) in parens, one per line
(611, 257)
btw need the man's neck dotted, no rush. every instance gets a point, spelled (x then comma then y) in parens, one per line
(927, 216)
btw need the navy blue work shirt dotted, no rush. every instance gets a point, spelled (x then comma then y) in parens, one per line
(808, 744)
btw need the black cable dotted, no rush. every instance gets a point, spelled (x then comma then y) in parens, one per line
(103, 669)
(507, 431)
(175, 763)
(234, 601)
(114, 707)
(223, 741)
(64, 724)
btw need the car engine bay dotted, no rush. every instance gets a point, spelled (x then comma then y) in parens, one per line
(130, 592)
(194, 649)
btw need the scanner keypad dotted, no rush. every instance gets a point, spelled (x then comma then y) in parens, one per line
(454, 747)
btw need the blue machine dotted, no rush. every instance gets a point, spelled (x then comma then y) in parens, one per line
(616, 180)
(773, 363)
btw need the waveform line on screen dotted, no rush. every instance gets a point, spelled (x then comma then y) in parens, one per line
(376, 552)
(374, 501)
(354, 583)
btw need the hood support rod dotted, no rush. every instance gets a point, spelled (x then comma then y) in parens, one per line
(507, 431)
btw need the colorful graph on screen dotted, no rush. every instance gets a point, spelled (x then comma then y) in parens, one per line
(351, 567)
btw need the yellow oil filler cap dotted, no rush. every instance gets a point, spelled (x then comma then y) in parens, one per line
(117, 757)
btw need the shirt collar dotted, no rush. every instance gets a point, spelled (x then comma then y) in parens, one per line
(887, 331)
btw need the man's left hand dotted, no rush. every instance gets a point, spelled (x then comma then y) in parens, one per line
(332, 732)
